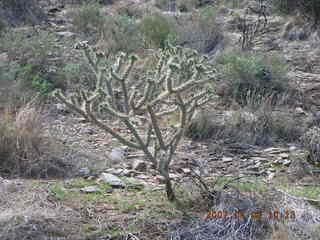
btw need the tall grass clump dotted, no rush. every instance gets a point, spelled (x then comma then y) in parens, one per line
(121, 33)
(200, 31)
(24, 149)
(263, 126)
(87, 19)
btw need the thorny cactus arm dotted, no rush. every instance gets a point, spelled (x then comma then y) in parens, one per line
(91, 117)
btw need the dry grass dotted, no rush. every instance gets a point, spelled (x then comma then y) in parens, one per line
(24, 149)
(264, 125)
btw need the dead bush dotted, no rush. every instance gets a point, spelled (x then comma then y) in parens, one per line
(310, 9)
(245, 76)
(199, 31)
(311, 141)
(24, 148)
(263, 126)
(88, 20)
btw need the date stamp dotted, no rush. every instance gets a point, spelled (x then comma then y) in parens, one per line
(274, 214)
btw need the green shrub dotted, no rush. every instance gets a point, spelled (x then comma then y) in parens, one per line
(30, 76)
(245, 74)
(28, 69)
(156, 30)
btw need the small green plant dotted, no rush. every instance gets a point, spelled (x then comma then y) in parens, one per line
(245, 74)
(32, 78)
(59, 192)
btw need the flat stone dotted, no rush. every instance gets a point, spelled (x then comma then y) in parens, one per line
(90, 189)
(112, 180)
(275, 150)
(253, 168)
(66, 34)
(135, 183)
(117, 171)
(142, 176)
(186, 170)
(83, 172)
(284, 155)
(173, 176)
(286, 162)
(227, 159)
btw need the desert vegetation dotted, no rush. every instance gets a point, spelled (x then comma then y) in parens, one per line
(194, 119)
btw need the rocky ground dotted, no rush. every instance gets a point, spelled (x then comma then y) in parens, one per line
(114, 194)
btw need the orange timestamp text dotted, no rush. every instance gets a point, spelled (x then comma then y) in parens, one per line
(275, 214)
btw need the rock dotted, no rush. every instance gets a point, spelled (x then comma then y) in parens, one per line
(284, 155)
(90, 189)
(174, 176)
(139, 166)
(55, 21)
(62, 108)
(253, 168)
(299, 111)
(88, 130)
(227, 159)
(142, 176)
(66, 34)
(286, 162)
(271, 176)
(117, 155)
(3, 58)
(160, 179)
(83, 172)
(135, 183)
(117, 171)
(112, 180)
(273, 150)
(186, 170)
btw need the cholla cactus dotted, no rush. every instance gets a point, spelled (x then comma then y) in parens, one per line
(180, 83)
(311, 141)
